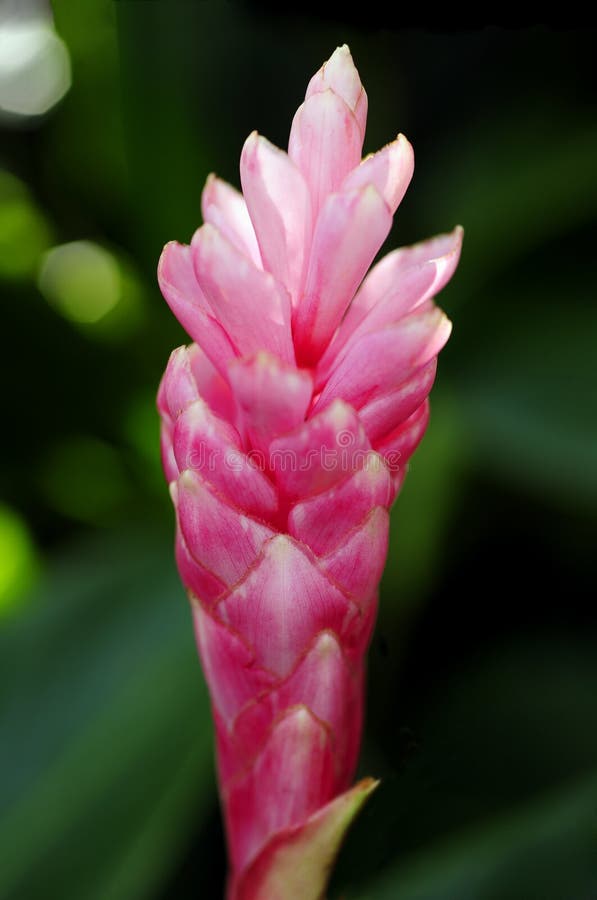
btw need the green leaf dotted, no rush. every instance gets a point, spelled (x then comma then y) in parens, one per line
(499, 797)
(106, 744)
(515, 186)
(546, 851)
(527, 394)
(425, 507)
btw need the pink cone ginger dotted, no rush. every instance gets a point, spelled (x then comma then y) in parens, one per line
(286, 429)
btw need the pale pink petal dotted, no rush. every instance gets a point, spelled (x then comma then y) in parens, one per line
(178, 388)
(348, 739)
(251, 305)
(398, 478)
(205, 585)
(340, 75)
(162, 402)
(208, 445)
(189, 374)
(350, 230)
(225, 207)
(210, 384)
(176, 391)
(357, 564)
(229, 757)
(167, 451)
(325, 144)
(406, 278)
(187, 301)
(320, 453)
(282, 602)
(219, 536)
(332, 688)
(386, 411)
(291, 778)
(228, 665)
(384, 359)
(323, 521)
(326, 684)
(280, 207)
(398, 284)
(390, 170)
(272, 398)
(358, 636)
(397, 447)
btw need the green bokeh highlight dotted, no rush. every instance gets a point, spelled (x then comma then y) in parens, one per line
(19, 564)
(89, 286)
(84, 478)
(24, 231)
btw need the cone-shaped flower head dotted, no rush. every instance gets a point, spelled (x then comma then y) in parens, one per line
(286, 429)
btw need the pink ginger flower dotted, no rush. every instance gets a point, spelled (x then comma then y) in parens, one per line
(286, 429)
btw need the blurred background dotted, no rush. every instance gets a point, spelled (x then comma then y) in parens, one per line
(482, 716)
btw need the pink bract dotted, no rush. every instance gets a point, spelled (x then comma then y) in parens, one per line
(287, 426)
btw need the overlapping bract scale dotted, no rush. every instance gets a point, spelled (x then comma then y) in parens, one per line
(286, 431)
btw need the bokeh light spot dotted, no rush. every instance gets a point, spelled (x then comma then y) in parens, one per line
(81, 280)
(35, 70)
(84, 478)
(18, 560)
(24, 232)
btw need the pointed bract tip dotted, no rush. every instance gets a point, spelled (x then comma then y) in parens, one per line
(342, 50)
(251, 142)
(405, 144)
(297, 861)
(444, 330)
(368, 784)
(326, 645)
(452, 239)
(340, 75)
(186, 479)
(279, 548)
(339, 413)
(209, 191)
(164, 260)
(302, 720)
